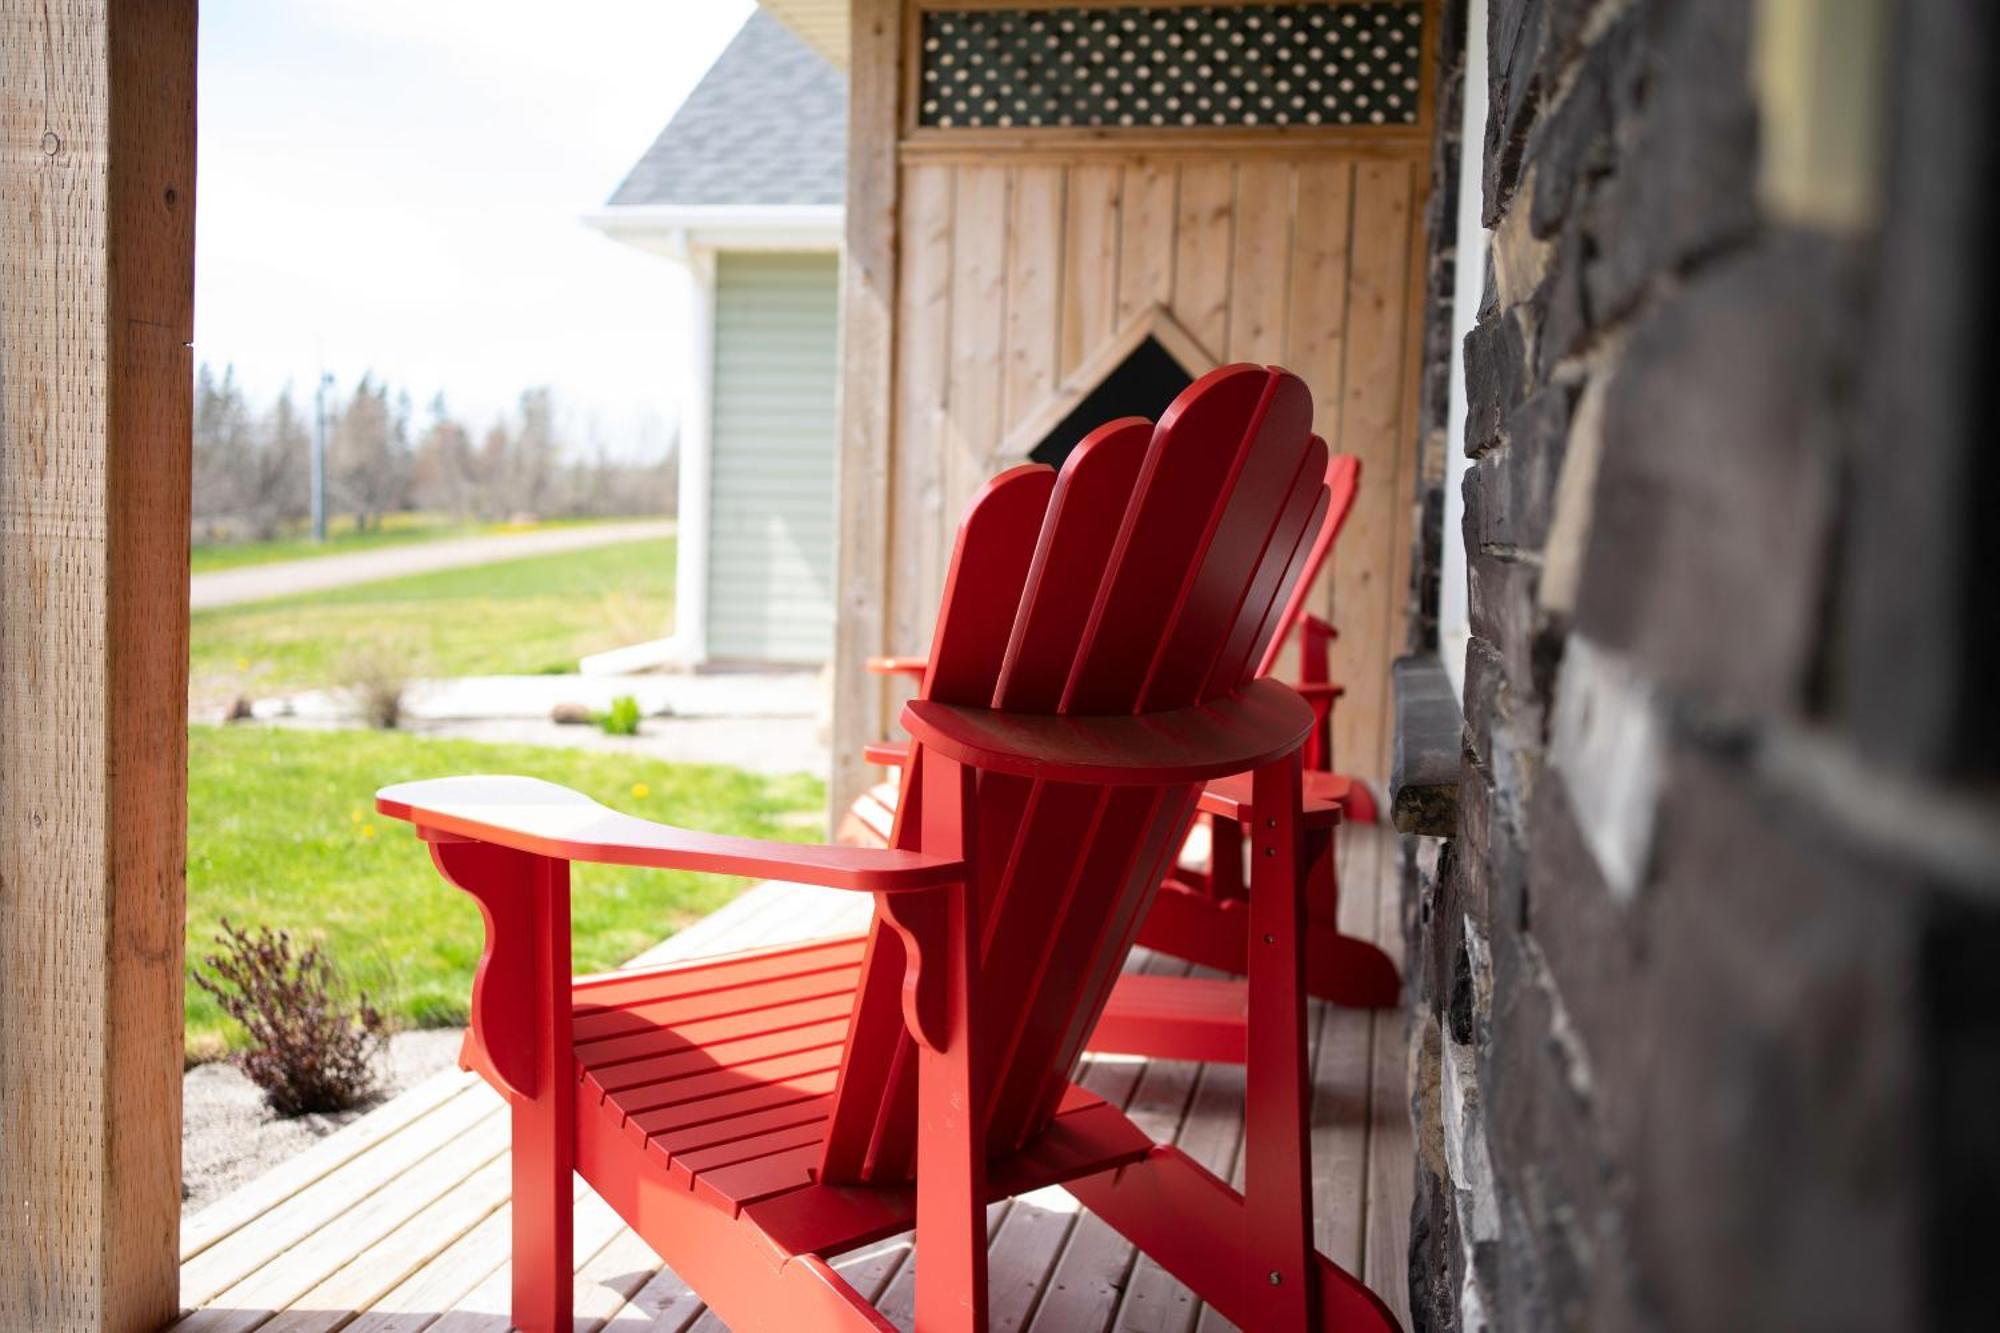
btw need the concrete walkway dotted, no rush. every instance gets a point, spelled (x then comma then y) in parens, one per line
(766, 722)
(256, 583)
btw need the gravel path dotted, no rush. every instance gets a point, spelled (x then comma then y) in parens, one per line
(228, 1135)
(256, 583)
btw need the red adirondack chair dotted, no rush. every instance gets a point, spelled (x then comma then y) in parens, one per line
(1201, 912)
(874, 811)
(750, 1116)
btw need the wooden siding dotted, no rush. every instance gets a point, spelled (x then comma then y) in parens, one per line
(1012, 274)
(96, 312)
(987, 267)
(771, 484)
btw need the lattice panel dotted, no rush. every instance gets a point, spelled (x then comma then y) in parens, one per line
(1169, 67)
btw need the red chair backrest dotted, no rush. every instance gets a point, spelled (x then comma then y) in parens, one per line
(1343, 482)
(1151, 574)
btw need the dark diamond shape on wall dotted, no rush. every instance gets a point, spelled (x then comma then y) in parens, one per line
(1139, 386)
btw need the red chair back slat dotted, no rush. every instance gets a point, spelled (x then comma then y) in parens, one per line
(1343, 485)
(1147, 576)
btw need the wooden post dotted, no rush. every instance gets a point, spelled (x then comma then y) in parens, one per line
(96, 315)
(867, 352)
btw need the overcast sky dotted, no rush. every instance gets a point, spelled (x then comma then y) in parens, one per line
(396, 186)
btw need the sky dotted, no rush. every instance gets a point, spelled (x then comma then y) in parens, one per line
(397, 187)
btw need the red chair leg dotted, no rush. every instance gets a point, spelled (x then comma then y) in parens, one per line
(544, 1255)
(1340, 969)
(951, 1119)
(545, 1125)
(519, 1037)
(1277, 1177)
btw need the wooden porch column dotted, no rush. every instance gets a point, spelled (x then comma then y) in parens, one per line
(96, 314)
(867, 368)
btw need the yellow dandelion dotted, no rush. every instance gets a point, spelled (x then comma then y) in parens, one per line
(367, 830)
(242, 664)
(354, 815)
(640, 791)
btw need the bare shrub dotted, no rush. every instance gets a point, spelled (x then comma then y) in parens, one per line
(378, 676)
(310, 1050)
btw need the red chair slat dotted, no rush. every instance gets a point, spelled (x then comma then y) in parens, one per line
(1097, 479)
(1196, 452)
(1278, 460)
(707, 1033)
(1343, 485)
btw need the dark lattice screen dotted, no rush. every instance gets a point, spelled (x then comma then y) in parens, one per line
(1139, 386)
(1191, 66)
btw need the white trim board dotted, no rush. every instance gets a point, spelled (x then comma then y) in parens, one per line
(675, 230)
(1468, 277)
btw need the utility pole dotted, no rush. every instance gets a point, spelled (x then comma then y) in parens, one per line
(319, 458)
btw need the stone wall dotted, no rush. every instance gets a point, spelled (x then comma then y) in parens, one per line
(1708, 983)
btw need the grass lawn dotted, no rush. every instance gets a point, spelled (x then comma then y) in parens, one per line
(342, 539)
(523, 616)
(282, 833)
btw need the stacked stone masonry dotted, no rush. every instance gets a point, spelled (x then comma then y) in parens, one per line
(1707, 1008)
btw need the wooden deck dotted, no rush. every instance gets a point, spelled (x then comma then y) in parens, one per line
(398, 1222)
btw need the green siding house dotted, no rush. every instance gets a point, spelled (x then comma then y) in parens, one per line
(743, 191)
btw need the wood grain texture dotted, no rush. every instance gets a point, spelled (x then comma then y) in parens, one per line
(921, 532)
(867, 417)
(1315, 338)
(1204, 230)
(1260, 262)
(974, 398)
(1034, 265)
(96, 314)
(1391, 1140)
(1089, 289)
(1363, 596)
(1146, 237)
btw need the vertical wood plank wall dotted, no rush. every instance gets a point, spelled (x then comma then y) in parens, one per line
(1015, 263)
(96, 314)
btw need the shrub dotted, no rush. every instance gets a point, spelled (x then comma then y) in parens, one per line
(378, 678)
(309, 1049)
(623, 719)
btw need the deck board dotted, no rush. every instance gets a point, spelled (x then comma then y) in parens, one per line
(398, 1223)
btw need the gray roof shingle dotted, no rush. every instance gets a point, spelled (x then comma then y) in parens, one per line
(766, 125)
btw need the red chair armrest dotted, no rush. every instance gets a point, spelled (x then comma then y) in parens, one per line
(1230, 798)
(1263, 721)
(889, 754)
(543, 819)
(913, 667)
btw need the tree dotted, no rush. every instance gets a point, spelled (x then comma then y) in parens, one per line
(222, 446)
(276, 481)
(368, 456)
(446, 474)
(533, 458)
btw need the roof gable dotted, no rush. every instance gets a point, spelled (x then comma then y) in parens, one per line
(766, 125)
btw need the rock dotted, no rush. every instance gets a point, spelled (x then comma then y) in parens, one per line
(571, 715)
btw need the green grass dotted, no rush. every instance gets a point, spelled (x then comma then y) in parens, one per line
(524, 616)
(342, 539)
(282, 833)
